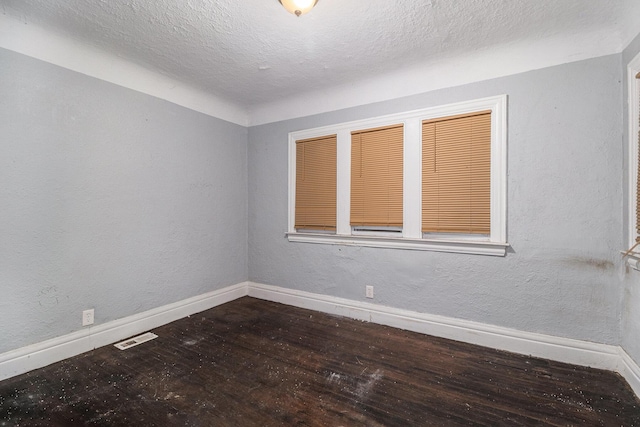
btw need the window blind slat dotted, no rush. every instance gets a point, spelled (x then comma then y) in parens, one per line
(376, 176)
(456, 174)
(316, 183)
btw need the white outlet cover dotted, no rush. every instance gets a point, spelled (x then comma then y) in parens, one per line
(87, 317)
(369, 291)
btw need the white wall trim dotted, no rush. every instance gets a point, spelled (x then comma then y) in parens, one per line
(566, 350)
(412, 238)
(494, 244)
(630, 370)
(448, 246)
(445, 72)
(28, 39)
(439, 73)
(582, 353)
(25, 359)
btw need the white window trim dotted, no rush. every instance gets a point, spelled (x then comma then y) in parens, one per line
(634, 89)
(495, 244)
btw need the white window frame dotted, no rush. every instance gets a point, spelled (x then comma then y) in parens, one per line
(634, 89)
(412, 238)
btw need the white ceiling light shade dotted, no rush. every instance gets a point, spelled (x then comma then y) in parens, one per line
(298, 7)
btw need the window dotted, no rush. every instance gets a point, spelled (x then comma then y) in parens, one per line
(456, 178)
(431, 179)
(376, 179)
(635, 136)
(633, 72)
(316, 184)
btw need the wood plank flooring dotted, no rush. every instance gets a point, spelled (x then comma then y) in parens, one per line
(257, 363)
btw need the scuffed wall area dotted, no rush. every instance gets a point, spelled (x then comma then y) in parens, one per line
(561, 276)
(110, 199)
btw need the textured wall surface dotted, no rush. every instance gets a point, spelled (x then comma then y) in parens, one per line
(117, 200)
(253, 51)
(109, 199)
(631, 298)
(561, 276)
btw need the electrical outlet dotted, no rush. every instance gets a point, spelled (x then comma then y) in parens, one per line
(369, 291)
(87, 317)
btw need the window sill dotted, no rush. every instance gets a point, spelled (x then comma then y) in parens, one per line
(462, 247)
(633, 261)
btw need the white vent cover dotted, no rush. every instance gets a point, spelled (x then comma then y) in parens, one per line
(132, 342)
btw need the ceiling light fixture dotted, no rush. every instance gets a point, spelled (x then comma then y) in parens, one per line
(298, 7)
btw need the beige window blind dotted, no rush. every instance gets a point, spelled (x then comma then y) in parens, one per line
(316, 183)
(376, 176)
(456, 174)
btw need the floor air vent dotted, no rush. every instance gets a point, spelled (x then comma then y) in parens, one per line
(132, 342)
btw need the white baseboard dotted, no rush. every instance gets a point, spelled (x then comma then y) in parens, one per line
(25, 359)
(566, 350)
(601, 356)
(630, 371)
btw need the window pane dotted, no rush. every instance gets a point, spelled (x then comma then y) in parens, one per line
(376, 177)
(316, 184)
(456, 174)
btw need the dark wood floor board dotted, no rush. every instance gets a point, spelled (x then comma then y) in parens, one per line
(256, 363)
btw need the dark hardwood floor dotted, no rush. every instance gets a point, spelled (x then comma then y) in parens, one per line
(256, 363)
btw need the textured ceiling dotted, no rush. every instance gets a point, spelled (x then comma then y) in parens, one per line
(251, 52)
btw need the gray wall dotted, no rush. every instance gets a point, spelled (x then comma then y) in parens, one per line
(631, 299)
(120, 201)
(111, 199)
(564, 217)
